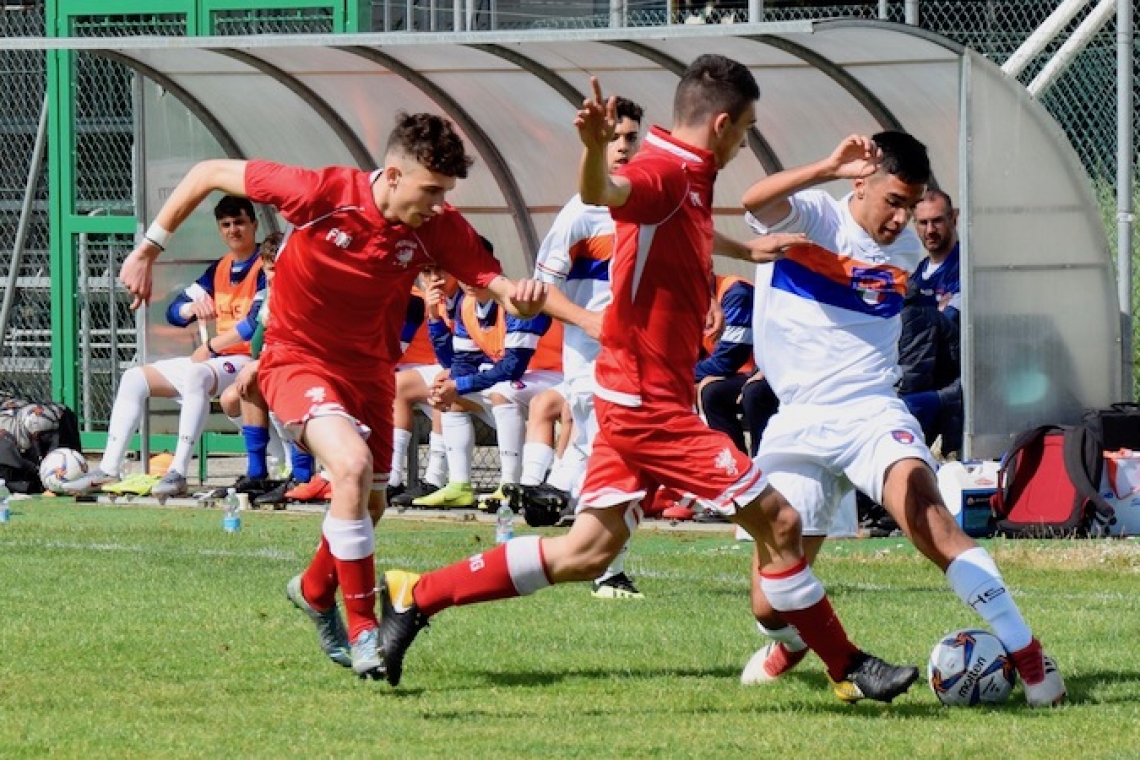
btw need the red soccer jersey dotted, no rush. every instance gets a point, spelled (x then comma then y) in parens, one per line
(344, 273)
(661, 274)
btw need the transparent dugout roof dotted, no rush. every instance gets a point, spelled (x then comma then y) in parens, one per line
(1034, 250)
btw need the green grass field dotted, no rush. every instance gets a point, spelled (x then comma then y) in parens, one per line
(147, 632)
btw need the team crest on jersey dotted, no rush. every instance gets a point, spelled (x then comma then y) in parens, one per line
(872, 284)
(726, 461)
(338, 238)
(316, 394)
(405, 252)
(903, 436)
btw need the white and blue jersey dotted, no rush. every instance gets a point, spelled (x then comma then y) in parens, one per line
(204, 286)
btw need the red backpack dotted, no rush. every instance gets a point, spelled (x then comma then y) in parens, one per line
(1048, 485)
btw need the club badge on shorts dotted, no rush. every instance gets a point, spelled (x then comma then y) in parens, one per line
(903, 436)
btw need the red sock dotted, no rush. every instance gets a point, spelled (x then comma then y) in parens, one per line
(819, 627)
(358, 587)
(481, 578)
(318, 584)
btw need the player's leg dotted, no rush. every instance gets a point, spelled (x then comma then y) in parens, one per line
(459, 438)
(411, 389)
(135, 386)
(911, 496)
(721, 407)
(519, 567)
(760, 404)
(510, 430)
(538, 452)
(316, 406)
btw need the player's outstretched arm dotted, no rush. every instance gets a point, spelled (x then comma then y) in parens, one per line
(761, 250)
(855, 157)
(226, 175)
(566, 311)
(596, 122)
(521, 298)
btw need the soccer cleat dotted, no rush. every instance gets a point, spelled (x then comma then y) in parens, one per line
(330, 628)
(1043, 684)
(139, 484)
(400, 620)
(872, 678)
(618, 586)
(89, 483)
(451, 495)
(678, 512)
(173, 483)
(276, 496)
(412, 493)
(771, 662)
(317, 489)
(490, 502)
(367, 658)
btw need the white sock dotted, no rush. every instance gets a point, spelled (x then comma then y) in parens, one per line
(459, 437)
(349, 539)
(977, 582)
(401, 439)
(536, 460)
(510, 429)
(125, 416)
(237, 421)
(567, 469)
(789, 636)
(617, 567)
(437, 459)
(192, 418)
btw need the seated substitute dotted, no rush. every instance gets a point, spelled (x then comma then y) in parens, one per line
(230, 293)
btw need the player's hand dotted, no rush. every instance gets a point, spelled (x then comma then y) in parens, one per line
(773, 246)
(854, 158)
(137, 273)
(443, 393)
(592, 324)
(596, 120)
(204, 309)
(714, 321)
(246, 381)
(529, 297)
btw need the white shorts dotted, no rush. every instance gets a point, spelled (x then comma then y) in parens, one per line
(814, 455)
(429, 372)
(519, 391)
(225, 369)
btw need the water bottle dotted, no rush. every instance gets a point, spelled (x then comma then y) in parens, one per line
(231, 512)
(504, 523)
(5, 503)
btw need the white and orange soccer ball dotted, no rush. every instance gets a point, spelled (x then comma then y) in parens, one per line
(61, 466)
(970, 667)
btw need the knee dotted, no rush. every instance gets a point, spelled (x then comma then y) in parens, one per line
(134, 383)
(353, 465)
(200, 379)
(231, 401)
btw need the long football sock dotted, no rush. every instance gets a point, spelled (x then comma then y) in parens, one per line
(513, 569)
(536, 460)
(436, 472)
(318, 583)
(800, 599)
(788, 636)
(459, 435)
(302, 462)
(125, 415)
(977, 582)
(256, 444)
(352, 543)
(617, 567)
(401, 440)
(192, 419)
(510, 428)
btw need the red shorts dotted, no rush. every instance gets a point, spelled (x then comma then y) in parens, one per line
(638, 449)
(299, 388)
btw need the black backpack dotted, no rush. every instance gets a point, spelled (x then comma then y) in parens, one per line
(1048, 485)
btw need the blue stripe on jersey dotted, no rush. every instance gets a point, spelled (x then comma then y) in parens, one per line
(795, 278)
(589, 269)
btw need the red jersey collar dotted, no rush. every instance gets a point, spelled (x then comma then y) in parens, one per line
(661, 138)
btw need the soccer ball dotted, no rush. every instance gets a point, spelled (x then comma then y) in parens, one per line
(970, 667)
(61, 466)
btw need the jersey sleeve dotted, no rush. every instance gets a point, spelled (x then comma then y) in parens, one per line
(810, 209)
(552, 264)
(299, 194)
(656, 190)
(459, 251)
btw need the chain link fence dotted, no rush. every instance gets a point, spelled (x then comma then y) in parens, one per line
(1081, 100)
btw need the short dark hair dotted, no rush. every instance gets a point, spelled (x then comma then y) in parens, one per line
(233, 206)
(933, 193)
(627, 109)
(712, 85)
(269, 246)
(904, 157)
(432, 141)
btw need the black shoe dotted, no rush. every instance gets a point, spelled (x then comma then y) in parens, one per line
(710, 517)
(394, 491)
(618, 586)
(400, 620)
(872, 678)
(541, 505)
(255, 486)
(275, 497)
(404, 499)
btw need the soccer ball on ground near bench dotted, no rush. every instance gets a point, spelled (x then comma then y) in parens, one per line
(61, 466)
(969, 667)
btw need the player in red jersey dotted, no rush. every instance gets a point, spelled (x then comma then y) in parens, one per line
(649, 435)
(328, 368)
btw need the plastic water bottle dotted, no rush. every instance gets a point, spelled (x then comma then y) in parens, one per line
(5, 503)
(504, 523)
(231, 512)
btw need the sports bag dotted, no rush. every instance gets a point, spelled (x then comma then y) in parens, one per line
(1048, 485)
(1117, 427)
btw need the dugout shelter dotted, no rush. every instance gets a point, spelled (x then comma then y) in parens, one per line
(1041, 319)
